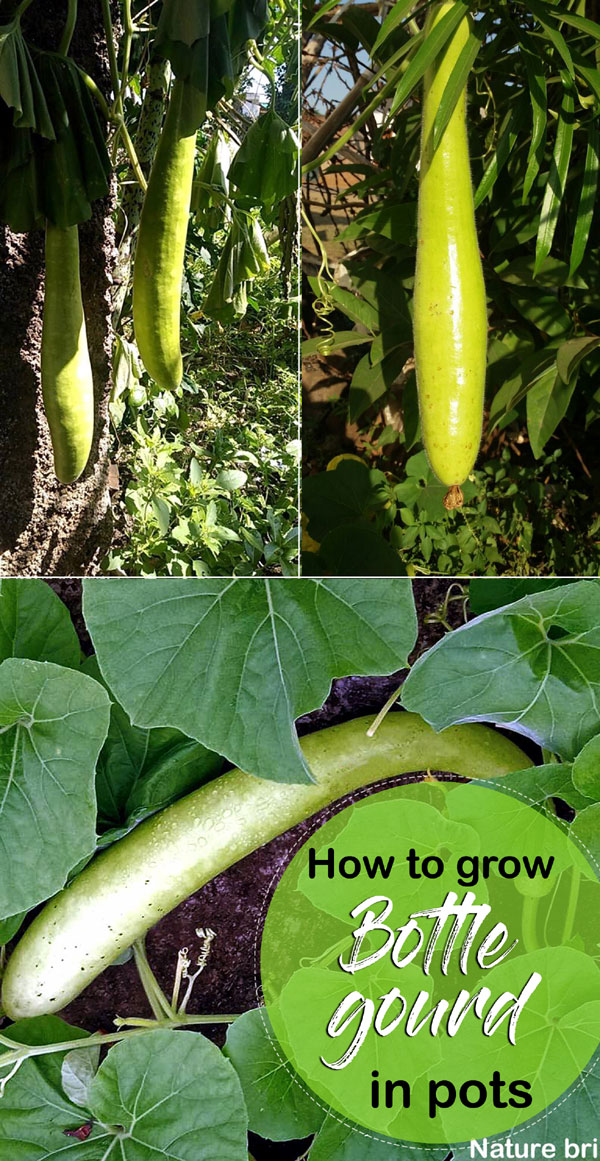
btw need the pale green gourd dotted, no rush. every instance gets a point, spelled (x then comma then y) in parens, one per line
(67, 381)
(126, 890)
(160, 252)
(450, 317)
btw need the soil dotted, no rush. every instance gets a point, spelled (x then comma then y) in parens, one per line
(47, 528)
(232, 903)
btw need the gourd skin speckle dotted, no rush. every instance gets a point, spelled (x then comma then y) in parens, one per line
(450, 316)
(129, 887)
(67, 380)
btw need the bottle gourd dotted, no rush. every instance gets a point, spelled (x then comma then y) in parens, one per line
(127, 889)
(67, 382)
(160, 253)
(450, 317)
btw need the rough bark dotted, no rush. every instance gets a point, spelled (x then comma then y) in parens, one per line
(47, 528)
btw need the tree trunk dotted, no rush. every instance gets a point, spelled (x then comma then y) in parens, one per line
(47, 528)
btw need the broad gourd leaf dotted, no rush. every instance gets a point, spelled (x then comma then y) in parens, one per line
(10, 926)
(35, 624)
(37, 1118)
(533, 665)
(339, 1141)
(573, 1117)
(54, 179)
(205, 43)
(539, 783)
(586, 770)
(348, 493)
(354, 549)
(175, 1095)
(233, 663)
(279, 1106)
(20, 87)
(53, 722)
(492, 593)
(78, 1070)
(586, 829)
(141, 771)
(265, 167)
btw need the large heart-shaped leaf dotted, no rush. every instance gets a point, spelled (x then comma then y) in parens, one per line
(53, 722)
(34, 623)
(233, 663)
(141, 771)
(175, 1096)
(533, 665)
(279, 1107)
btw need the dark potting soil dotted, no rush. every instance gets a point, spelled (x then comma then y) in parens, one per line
(232, 904)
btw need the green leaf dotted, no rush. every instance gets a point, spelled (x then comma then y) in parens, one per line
(188, 653)
(10, 926)
(79, 1068)
(54, 177)
(586, 769)
(205, 43)
(508, 134)
(35, 624)
(231, 480)
(350, 492)
(337, 1141)
(586, 828)
(492, 593)
(556, 38)
(279, 1106)
(53, 722)
(358, 549)
(459, 76)
(532, 666)
(571, 354)
(587, 199)
(580, 22)
(401, 9)
(427, 52)
(265, 167)
(20, 87)
(373, 377)
(547, 403)
(539, 783)
(175, 1095)
(557, 178)
(396, 221)
(141, 771)
(573, 1117)
(35, 1113)
(536, 80)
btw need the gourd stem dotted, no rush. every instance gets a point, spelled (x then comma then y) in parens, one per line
(25, 1051)
(67, 35)
(154, 993)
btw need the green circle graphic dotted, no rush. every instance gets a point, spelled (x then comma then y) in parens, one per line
(441, 1027)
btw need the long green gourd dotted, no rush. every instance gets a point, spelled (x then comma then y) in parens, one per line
(450, 317)
(67, 381)
(126, 890)
(160, 253)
